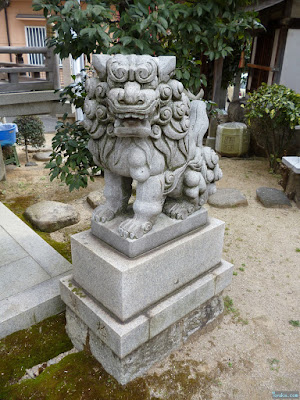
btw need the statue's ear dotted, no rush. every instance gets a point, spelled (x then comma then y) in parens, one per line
(166, 67)
(99, 62)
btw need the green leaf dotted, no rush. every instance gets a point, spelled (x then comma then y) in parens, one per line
(164, 22)
(186, 75)
(97, 9)
(126, 40)
(68, 6)
(144, 24)
(178, 74)
(143, 8)
(199, 10)
(139, 44)
(59, 159)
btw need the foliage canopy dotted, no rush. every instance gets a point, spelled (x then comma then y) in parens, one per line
(4, 4)
(272, 114)
(195, 32)
(30, 132)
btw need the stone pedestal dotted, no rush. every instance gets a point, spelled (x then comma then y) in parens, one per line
(132, 312)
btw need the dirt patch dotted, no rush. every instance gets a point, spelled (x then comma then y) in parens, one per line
(255, 349)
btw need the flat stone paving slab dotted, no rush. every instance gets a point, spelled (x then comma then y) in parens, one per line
(225, 198)
(20, 275)
(10, 250)
(30, 270)
(49, 216)
(272, 198)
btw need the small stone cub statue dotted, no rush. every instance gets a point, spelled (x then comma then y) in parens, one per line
(144, 127)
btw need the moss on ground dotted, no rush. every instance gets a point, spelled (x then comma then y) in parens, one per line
(79, 376)
(18, 207)
(29, 347)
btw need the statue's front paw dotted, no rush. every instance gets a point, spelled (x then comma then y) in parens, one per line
(134, 228)
(179, 210)
(103, 214)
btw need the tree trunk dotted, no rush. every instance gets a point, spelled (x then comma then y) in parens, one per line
(26, 152)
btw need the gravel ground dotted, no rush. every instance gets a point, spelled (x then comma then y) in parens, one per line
(254, 349)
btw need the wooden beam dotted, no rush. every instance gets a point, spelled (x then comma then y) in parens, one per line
(30, 97)
(262, 67)
(31, 68)
(280, 53)
(23, 50)
(25, 86)
(273, 56)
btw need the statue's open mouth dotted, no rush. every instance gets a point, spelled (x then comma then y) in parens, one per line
(132, 125)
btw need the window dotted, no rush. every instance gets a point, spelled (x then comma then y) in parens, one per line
(35, 37)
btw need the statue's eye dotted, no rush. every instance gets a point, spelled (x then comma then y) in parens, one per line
(118, 72)
(146, 72)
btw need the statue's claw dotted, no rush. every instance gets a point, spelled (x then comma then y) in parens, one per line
(179, 210)
(103, 214)
(134, 228)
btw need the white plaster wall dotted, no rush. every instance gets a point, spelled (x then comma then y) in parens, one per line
(290, 74)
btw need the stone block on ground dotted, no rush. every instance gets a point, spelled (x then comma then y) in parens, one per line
(49, 216)
(95, 198)
(137, 362)
(292, 162)
(43, 156)
(272, 198)
(111, 277)
(225, 198)
(292, 188)
(124, 337)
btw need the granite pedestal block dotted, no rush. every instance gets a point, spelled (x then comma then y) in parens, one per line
(164, 230)
(126, 286)
(132, 312)
(152, 351)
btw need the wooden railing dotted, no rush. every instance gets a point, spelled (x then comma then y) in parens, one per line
(17, 77)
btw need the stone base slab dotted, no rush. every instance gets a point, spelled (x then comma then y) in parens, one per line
(154, 350)
(30, 270)
(127, 286)
(164, 230)
(124, 338)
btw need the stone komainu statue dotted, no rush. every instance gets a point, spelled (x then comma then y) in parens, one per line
(144, 127)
